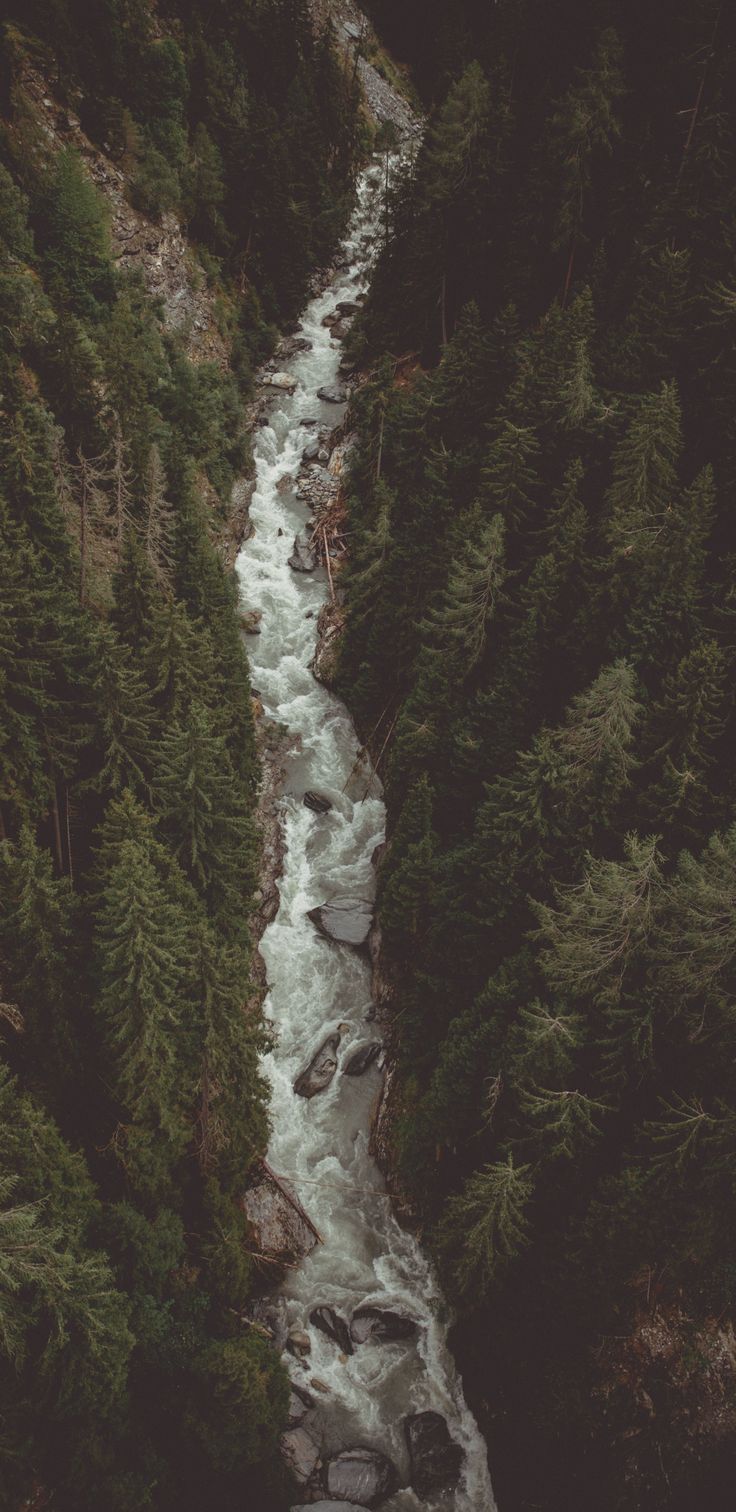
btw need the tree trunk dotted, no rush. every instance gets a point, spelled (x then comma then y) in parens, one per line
(57, 826)
(68, 837)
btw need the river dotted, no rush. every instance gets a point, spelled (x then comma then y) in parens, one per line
(314, 986)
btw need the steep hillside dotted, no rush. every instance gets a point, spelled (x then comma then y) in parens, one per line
(171, 178)
(539, 647)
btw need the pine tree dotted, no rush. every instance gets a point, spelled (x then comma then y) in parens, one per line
(487, 1224)
(591, 936)
(205, 817)
(684, 730)
(564, 1122)
(459, 625)
(160, 520)
(645, 474)
(509, 477)
(583, 125)
(144, 956)
(126, 718)
(40, 929)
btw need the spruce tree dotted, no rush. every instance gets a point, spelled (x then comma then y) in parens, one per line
(486, 1226)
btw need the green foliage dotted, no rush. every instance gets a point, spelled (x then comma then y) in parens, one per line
(549, 333)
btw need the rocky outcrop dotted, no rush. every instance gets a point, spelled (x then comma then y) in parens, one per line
(333, 393)
(282, 1229)
(343, 919)
(435, 1458)
(300, 1454)
(317, 802)
(284, 381)
(326, 1506)
(377, 1323)
(363, 1059)
(330, 1323)
(361, 1475)
(303, 558)
(300, 1403)
(319, 1073)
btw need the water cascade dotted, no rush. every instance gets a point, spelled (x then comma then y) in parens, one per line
(318, 989)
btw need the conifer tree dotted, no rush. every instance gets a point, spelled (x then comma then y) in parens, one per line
(126, 717)
(485, 1226)
(144, 955)
(40, 927)
(459, 626)
(160, 521)
(509, 477)
(205, 817)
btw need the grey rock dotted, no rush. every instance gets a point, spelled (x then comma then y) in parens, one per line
(321, 1069)
(302, 558)
(300, 1403)
(362, 1059)
(300, 1453)
(311, 452)
(326, 1506)
(435, 1458)
(284, 381)
(330, 1323)
(299, 1343)
(333, 394)
(281, 1233)
(377, 1323)
(250, 621)
(347, 307)
(317, 802)
(361, 1475)
(346, 920)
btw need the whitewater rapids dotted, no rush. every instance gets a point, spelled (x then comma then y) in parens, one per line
(321, 1144)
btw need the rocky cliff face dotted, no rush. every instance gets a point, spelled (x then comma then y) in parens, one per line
(159, 250)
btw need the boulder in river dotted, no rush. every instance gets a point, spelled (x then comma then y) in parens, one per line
(378, 1323)
(330, 1323)
(311, 452)
(300, 1454)
(326, 1506)
(435, 1458)
(321, 1069)
(361, 1475)
(333, 393)
(300, 1403)
(347, 920)
(362, 1059)
(347, 307)
(317, 802)
(250, 621)
(281, 1228)
(284, 381)
(302, 558)
(299, 1343)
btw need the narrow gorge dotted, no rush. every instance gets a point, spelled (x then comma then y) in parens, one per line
(362, 1317)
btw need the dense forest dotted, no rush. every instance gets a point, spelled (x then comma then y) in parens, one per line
(131, 1103)
(540, 649)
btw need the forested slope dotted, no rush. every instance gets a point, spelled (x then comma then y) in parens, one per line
(540, 648)
(131, 1103)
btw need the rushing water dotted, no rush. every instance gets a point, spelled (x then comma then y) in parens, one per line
(321, 1144)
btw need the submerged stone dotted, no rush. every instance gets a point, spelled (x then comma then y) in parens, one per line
(361, 1475)
(436, 1459)
(360, 1062)
(377, 1323)
(330, 1323)
(347, 920)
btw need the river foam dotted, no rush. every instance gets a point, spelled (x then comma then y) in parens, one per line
(321, 1144)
